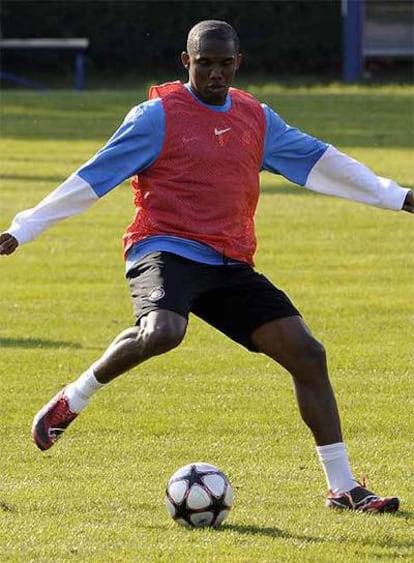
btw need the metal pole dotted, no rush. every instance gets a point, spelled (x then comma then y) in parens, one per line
(352, 40)
(79, 71)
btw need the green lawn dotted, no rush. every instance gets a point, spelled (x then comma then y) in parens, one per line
(98, 495)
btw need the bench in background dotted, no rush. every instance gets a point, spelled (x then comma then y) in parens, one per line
(76, 45)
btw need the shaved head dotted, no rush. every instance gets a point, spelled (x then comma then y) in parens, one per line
(211, 29)
(212, 60)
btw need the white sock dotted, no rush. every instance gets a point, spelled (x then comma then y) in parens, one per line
(80, 391)
(335, 463)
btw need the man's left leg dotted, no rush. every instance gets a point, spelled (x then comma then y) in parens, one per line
(289, 342)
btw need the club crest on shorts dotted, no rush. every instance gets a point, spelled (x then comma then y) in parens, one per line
(156, 294)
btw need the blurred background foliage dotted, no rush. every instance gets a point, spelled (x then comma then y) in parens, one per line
(133, 41)
(285, 37)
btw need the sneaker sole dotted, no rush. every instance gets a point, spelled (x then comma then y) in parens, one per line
(40, 443)
(38, 440)
(391, 506)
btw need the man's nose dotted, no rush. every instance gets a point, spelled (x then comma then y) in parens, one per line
(215, 72)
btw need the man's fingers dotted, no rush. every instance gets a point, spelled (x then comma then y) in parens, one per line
(409, 202)
(409, 208)
(6, 248)
(8, 244)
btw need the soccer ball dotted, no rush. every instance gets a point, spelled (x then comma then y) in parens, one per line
(199, 495)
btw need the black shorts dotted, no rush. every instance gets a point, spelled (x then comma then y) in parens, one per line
(234, 299)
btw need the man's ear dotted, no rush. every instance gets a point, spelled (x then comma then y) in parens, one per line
(185, 59)
(239, 60)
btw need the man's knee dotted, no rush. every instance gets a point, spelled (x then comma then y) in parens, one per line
(314, 352)
(162, 332)
(162, 339)
(304, 357)
(289, 341)
(308, 363)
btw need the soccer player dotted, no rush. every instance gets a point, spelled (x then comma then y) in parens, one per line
(194, 152)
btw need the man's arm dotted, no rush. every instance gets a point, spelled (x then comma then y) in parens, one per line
(73, 196)
(320, 167)
(338, 174)
(133, 147)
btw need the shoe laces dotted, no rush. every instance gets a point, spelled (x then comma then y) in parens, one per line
(366, 495)
(363, 482)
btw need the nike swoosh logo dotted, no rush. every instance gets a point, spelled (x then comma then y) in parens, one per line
(221, 131)
(55, 432)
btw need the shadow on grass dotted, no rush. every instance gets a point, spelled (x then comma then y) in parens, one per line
(287, 190)
(31, 178)
(37, 343)
(269, 532)
(278, 533)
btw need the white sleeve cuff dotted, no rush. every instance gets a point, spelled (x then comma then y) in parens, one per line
(73, 196)
(339, 175)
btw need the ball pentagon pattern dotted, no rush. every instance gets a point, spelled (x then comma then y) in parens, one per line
(199, 495)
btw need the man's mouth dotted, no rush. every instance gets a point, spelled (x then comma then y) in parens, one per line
(217, 88)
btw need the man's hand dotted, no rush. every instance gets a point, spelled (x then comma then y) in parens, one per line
(8, 243)
(409, 202)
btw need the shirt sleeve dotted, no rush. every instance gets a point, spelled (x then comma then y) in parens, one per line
(340, 175)
(132, 148)
(322, 168)
(72, 197)
(287, 150)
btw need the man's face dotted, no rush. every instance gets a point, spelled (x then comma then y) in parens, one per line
(211, 69)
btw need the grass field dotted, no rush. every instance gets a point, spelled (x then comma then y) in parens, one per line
(98, 495)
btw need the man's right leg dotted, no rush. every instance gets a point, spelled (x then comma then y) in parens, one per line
(157, 333)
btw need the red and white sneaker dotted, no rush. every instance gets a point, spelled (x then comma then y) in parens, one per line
(362, 500)
(51, 421)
